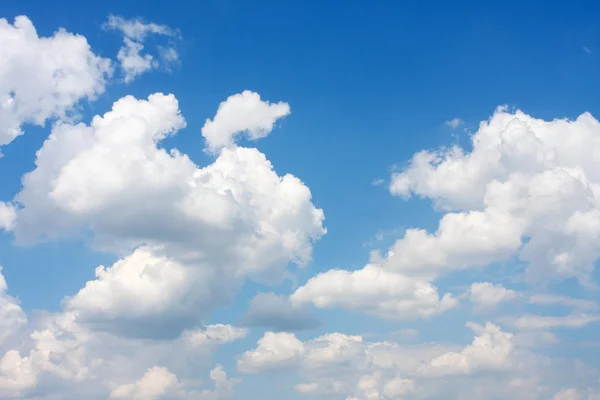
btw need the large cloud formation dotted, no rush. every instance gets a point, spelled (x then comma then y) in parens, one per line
(44, 77)
(186, 237)
(203, 230)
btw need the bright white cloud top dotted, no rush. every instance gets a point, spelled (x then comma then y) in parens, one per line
(517, 213)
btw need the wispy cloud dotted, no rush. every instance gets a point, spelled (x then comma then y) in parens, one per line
(587, 50)
(455, 123)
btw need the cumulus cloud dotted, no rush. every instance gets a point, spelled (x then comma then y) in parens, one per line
(486, 295)
(135, 31)
(8, 216)
(277, 313)
(374, 290)
(58, 356)
(12, 316)
(242, 113)
(202, 229)
(156, 383)
(522, 179)
(344, 366)
(491, 350)
(44, 77)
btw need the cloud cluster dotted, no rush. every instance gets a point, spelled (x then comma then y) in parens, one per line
(133, 63)
(185, 238)
(44, 77)
(528, 188)
(343, 366)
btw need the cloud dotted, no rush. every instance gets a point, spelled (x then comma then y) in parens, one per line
(274, 350)
(587, 50)
(344, 366)
(8, 216)
(455, 123)
(374, 290)
(135, 31)
(576, 303)
(57, 355)
(202, 230)
(12, 316)
(213, 335)
(492, 349)
(44, 77)
(132, 62)
(486, 295)
(567, 394)
(156, 383)
(242, 113)
(277, 313)
(520, 180)
(535, 322)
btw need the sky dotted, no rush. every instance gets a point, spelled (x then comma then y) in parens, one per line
(299, 200)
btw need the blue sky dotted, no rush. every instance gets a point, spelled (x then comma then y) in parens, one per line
(357, 201)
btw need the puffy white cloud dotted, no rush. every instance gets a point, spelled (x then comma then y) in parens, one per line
(143, 288)
(492, 349)
(274, 350)
(374, 290)
(532, 321)
(242, 113)
(343, 366)
(135, 31)
(156, 383)
(202, 230)
(61, 357)
(16, 374)
(524, 178)
(8, 216)
(132, 62)
(44, 77)
(277, 313)
(12, 316)
(486, 295)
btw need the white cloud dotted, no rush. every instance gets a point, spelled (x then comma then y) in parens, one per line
(374, 290)
(12, 316)
(274, 350)
(486, 295)
(532, 321)
(343, 366)
(135, 32)
(137, 29)
(8, 216)
(203, 229)
(538, 178)
(455, 123)
(242, 113)
(132, 62)
(577, 303)
(156, 383)
(492, 349)
(44, 77)
(214, 334)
